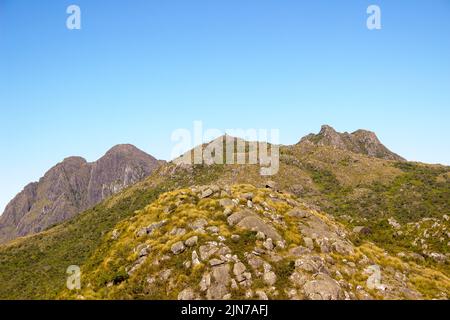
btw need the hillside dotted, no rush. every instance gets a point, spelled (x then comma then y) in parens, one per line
(242, 242)
(393, 212)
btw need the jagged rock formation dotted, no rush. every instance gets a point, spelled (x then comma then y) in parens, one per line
(361, 141)
(73, 186)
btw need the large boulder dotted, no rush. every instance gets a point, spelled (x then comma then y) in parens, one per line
(178, 247)
(254, 223)
(192, 241)
(323, 288)
(250, 221)
(220, 282)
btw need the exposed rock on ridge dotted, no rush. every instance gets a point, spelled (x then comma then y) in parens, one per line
(361, 141)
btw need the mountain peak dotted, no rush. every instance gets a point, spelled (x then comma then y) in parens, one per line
(123, 148)
(73, 186)
(326, 129)
(74, 160)
(361, 141)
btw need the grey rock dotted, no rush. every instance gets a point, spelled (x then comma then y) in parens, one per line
(191, 242)
(195, 259)
(298, 279)
(205, 282)
(438, 257)
(270, 278)
(206, 193)
(260, 235)
(199, 224)
(226, 203)
(187, 294)
(239, 268)
(136, 265)
(323, 288)
(244, 279)
(178, 232)
(281, 244)
(115, 234)
(144, 251)
(238, 216)
(150, 229)
(213, 229)
(165, 274)
(261, 295)
(178, 247)
(312, 264)
(220, 281)
(299, 251)
(309, 243)
(268, 244)
(255, 262)
(207, 251)
(394, 223)
(216, 262)
(343, 247)
(227, 211)
(254, 223)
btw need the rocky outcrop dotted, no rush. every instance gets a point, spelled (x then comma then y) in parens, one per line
(361, 141)
(72, 186)
(283, 250)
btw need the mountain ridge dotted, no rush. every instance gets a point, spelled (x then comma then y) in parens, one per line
(71, 186)
(394, 212)
(86, 188)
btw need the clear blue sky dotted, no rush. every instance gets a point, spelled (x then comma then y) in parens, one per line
(137, 70)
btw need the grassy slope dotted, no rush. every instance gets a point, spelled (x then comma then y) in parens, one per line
(106, 277)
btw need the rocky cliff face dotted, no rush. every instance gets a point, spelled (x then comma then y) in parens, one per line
(73, 186)
(361, 141)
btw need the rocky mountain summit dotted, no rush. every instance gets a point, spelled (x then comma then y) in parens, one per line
(242, 242)
(73, 186)
(361, 141)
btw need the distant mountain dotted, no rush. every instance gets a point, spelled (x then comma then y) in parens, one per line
(72, 186)
(361, 141)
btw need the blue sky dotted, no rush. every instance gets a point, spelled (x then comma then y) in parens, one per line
(138, 70)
